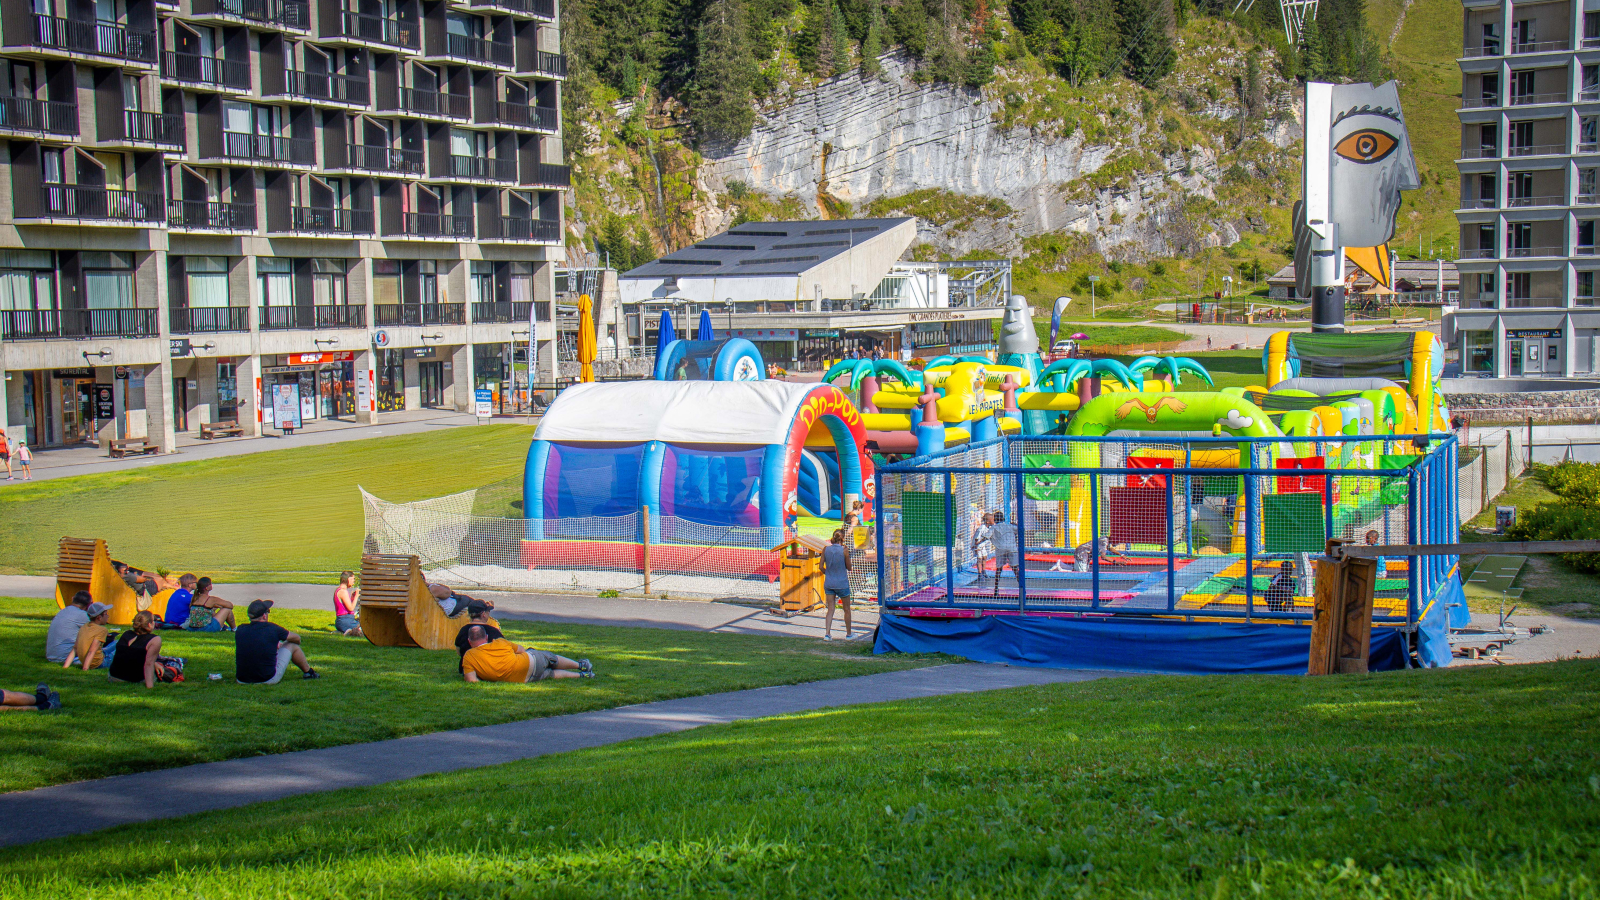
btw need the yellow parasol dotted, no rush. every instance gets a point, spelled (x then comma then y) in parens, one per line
(586, 348)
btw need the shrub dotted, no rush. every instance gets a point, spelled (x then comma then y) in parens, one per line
(1561, 522)
(1577, 483)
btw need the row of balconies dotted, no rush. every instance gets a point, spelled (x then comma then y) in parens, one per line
(1494, 100)
(1513, 48)
(388, 161)
(51, 324)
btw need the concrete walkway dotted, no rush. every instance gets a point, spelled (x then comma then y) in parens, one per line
(62, 462)
(68, 809)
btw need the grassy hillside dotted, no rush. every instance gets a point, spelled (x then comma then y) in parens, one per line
(1423, 58)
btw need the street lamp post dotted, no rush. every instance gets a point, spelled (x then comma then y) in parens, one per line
(730, 316)
(1093, 280)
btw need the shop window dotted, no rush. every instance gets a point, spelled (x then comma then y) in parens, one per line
(108, 280)
(1477, 351)
(391, 381)
(227, 391)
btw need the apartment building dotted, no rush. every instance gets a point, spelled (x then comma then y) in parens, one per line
(208, 198)
(1530, 188)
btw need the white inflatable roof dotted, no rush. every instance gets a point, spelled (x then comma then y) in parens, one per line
(678, 412)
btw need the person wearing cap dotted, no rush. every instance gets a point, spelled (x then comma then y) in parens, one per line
(64, 628)
(451, 602)
(477, 614)
(91, 639)
(263, 650)
(501, 660)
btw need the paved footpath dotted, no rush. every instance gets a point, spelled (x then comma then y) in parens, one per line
(87, 806)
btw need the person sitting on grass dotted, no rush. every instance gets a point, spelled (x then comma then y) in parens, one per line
(451, 602)
(142, 582)
(177, 612)
(477, 615)
(346, 600)
(208, 612)
(91, 647)
(501, 660)
(41, 699)
(262, 650)
(835, 583)
(134, 658)
(64, 627)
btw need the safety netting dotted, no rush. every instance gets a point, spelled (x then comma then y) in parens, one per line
(1353, 355)
(1192, 526)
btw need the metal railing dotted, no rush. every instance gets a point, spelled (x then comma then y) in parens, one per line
(551, 174)
(1587, 200)
(325, 86)
(435, 103)
(44, 324)
(268, 148)
(435, 225)
(71, 201)
(1481, 101)
(1541, 47)
(483, 167)
(1583, 250)
(544, 9)
(327, 220)
(205, 320)
(550, 64)
(98, 38)
(385, 159)
(510, 228)
(486, 50)
(500, 313)
(1534, 99)
(282, 318)
(1479, 253)
(213, 70)
(1532, 302)
(1523, 202)
(543, 118)
(45, 116)
(390, 314)
(1536, 150)
(379, 29)
(1529, 252)
(288, 13)
(210, 214)
(154, 128)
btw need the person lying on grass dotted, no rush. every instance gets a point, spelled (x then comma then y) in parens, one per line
(41, 699)
(208, 612)
(451, 602)
(478, 614)
(142, 582)
(91, 647)
(501, 660)
(262, 650)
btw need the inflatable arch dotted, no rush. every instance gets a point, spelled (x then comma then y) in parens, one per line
(727, 359)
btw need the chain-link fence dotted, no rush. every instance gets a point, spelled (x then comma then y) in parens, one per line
(1158, 524)
(1488, 473)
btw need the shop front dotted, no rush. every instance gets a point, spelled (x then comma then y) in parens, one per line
(325, 384)
(1533, 351)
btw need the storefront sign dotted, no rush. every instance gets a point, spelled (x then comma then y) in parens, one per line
(420, 352)
(312, 359)
(364, 391)
(936, 316)
(766, 334)
(179, 347)
(105, 401)
(121, 372)
(483, 398)
(1534, 333)
(286, 370)
(286, 406)
(80, 372)
(822, 334)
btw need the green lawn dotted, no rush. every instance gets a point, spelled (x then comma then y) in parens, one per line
(366, 693)
(1549, 584)
(1462, 783)
(279, 515)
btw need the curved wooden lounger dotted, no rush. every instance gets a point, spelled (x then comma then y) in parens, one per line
(396, 609)
(84, 564)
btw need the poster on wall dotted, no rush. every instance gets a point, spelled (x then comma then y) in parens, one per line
(286, 406)
(364, 391)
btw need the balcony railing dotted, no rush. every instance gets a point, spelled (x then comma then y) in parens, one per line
(1480, 203)
(268, 148)
(1584, 250)
(509, 228)
(1532, 99)
(435, 225)
(212, 70)
(211, 215)
(551, 64)
(483, 167)
(1541, 46)
(1590, 199)
(280, 318)
(1481, 101)
(379, 29)
(385, 159)
(543, 118)
(1589, 146)
(1478, 253)
(71, 201)
(1531, 252)
(1536, 150)
(552, 174)
(95, 38)
(435, 103)
(326, 220)
(205, 320)
(500, 313)
(288, 13)
(333, 88)
(152, 128)
(544, 9)
(1588, 94)
(44, 324)
(485, 50)
(389, 314)
(1480, 153)
(1532, 302)
(43, 116)
(1524, 202)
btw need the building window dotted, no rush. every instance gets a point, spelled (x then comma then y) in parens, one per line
(385, 282)
(108, 280)
(328, 282)
(227, 391)
(276, 280)
(391, 381)
(480, 284)
(1477, 351)
(27, 280)
(207, 281)
(1585, 289)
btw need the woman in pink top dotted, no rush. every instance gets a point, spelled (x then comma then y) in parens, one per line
(346, 599)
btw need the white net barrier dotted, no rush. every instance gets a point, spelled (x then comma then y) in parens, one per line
(431, 529)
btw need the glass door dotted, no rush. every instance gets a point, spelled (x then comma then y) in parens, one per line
(180, 403)
(1552, 358)
(432, 376)
(77, 411)
(1514, 357)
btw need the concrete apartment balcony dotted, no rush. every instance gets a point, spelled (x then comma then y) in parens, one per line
(77, 324)
(389, 315)
(540, 10)
(211, 216)
(373, 160)
(325, 89)
(523, 117)
(91, 41)
(145, 130)
(276, 15)
(95, 205)
(432, 226)
(285, 318)
(420, 103)
(511, 229)
(269, 150)
(27, 116)
(328, 221)
(500, 313)
(375, 32)
(208, 320)
(206, 73)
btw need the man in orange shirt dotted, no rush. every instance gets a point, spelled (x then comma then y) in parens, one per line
(501, 660)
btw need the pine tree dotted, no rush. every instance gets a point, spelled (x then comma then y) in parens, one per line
(1313, 58)
(1148, 52)
(841, 39)
(872, 44)
(821, 20)
(724, 74)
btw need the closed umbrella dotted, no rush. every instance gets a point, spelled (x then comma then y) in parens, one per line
(586, 348)
(664, 334)
(704, 332)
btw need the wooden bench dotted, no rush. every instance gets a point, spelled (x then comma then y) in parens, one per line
(396, 609)
(84, 564)
(121, 447)
(224, 428)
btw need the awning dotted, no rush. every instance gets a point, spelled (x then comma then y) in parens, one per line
(1513, 320)
(1475, 321)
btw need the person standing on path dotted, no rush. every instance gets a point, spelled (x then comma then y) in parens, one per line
(5, 454)
(835, 583)
(25, 459)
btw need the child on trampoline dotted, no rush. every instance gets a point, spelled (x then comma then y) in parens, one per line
(1003, 535)
(1083, 555)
